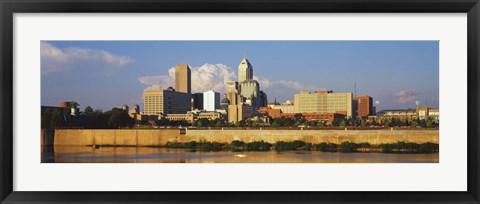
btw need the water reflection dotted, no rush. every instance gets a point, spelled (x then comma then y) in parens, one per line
(85, 154)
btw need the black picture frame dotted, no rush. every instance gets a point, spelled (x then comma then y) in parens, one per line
(10, 7)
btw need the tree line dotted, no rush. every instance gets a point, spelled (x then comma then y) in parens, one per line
(297, 145)
(119, 118)
(89, 118)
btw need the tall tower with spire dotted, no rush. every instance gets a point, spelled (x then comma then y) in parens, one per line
(245, 69)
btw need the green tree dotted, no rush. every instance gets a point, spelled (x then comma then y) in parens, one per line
(343, 123)
(298, 117)
(385, 123)
(334, 123)
(288, 122)
(352, 121)
(88, 111)
(119, 118)
(414, 123)
(321, 124)
(249, 122)
(363, 123)
(46, 118)
(163, 121)
(97, 114)
(429, 124)
(275, 124)
(391, 123)
(57, 119)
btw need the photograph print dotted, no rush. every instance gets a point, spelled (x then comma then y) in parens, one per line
(239, 101)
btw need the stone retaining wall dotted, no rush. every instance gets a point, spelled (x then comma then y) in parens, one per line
(139, 137)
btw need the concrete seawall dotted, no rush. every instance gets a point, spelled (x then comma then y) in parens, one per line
(138, 137)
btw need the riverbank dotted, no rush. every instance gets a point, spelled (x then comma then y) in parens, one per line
(160, 137)
(346, 147)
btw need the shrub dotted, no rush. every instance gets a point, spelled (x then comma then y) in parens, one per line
(326, 147)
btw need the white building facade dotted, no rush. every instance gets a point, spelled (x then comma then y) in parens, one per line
(211, 100)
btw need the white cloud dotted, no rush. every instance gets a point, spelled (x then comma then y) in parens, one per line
(405, 96)
(54, 59)
(264, 82)
(213, 76)
(297, 86)
(157, 82)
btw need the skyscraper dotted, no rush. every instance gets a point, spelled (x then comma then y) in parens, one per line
(245, 70)
(244, 96)
(239, 112)
(232, 92)
(197, 101)
(183, 81)
(211, 100)
(250, 90)
(262, 99)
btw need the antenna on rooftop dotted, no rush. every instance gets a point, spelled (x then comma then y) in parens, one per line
(355, 85)
(244, 53)
(406, 99)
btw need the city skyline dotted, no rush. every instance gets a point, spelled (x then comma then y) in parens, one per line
(106, 74)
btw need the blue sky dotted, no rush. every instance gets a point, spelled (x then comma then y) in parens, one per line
(107, 74)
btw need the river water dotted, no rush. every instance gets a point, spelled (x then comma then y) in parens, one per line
(85, 154)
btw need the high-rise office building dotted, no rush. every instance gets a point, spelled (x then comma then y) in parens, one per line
(248, 87)
(156, 102)
(323, 102)
(238, 109)
(232, 86)
(250, 90)
(245, 70)
(244, 96)
(197, 101)
(363, 106)
(211, 100)
(232, 92)
(183, 80)
(239, 112)
(262, 99)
